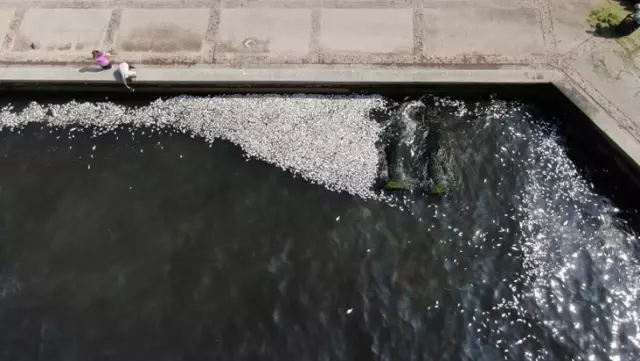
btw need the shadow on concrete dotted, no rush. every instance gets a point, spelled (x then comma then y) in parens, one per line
(117, 76)
(88, 69)
(628, 5)
(627, 26)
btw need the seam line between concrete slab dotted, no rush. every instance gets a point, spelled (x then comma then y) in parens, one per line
(548, 31)
(418, 31)
(211, 34)
(314, 41)
(112, 27)
(13, 29)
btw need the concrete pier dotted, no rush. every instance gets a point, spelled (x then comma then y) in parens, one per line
(332, 40)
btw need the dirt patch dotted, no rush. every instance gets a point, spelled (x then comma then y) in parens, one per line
(163, 38)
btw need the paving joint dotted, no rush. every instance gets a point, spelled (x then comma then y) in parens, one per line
(314, 38)
(211, 34)
(13, 29)
(113, 26)
(548, 32)
(418, 29)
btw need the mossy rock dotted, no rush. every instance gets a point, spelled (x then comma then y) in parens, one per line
(395, 185)
(606, 17)
(439, 190)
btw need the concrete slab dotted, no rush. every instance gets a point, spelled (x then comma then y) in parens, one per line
(490, 3)
(602, 118)
(367, 30)
(62, 30)
(162, 30)
(570, 22)
(477, 29)
(278, 32)
(615, 71)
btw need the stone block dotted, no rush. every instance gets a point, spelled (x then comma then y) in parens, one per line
(162, 30)
(280, 32)
(62, 30)
(388, 31)
(482, 30)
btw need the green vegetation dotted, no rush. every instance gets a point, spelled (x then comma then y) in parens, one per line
(606, 17)
(439, 189)
(395, 185)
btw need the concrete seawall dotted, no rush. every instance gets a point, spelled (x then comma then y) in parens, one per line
(316, 76)
(151, 81)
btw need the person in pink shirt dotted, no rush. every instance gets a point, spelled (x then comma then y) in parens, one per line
(102, 59)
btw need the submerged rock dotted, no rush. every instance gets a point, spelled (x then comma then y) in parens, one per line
(418, 153)
(439, 163)
(399, 139)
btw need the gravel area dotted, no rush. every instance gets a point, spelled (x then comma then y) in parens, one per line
(329, 140)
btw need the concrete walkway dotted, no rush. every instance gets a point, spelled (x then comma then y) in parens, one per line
(518, 37)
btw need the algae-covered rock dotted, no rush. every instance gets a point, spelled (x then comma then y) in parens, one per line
(399, 143)
(439, 190)
(438, 162)
(396, 185)
(418, 153)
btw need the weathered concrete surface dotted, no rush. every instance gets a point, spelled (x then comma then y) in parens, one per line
(59, 32)
(507, 36)
(270, 33)
(165, 31)
(500, 31)
(569, 22)
(388, 31)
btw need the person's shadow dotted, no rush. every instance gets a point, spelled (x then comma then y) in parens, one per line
(88, 69)
(118, 76)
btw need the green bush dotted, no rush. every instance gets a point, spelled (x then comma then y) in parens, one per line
(606, 17)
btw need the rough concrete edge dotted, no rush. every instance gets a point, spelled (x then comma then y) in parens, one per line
(284, 75)
(605, 122)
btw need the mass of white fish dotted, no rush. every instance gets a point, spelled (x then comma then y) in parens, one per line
(329, 140)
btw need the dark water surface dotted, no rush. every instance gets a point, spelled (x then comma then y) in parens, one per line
(144, 246)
